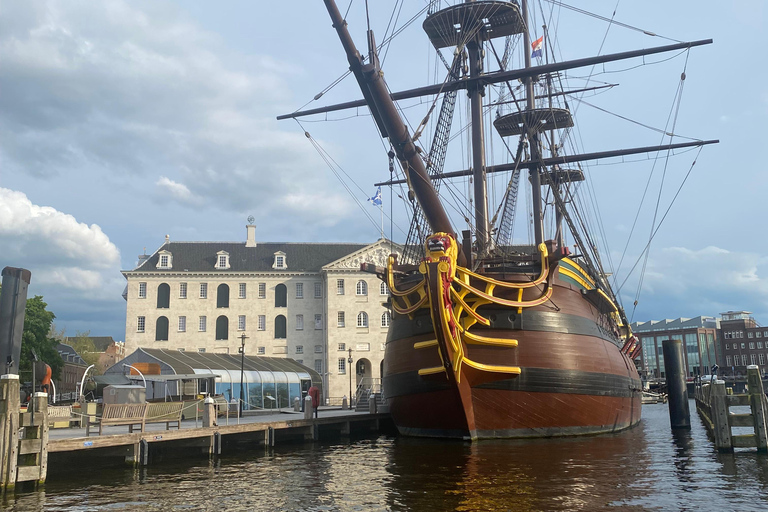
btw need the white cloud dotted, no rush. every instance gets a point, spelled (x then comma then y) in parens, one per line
(177, 192)
(687, 282)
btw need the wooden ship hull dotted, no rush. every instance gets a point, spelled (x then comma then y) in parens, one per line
(574, 378)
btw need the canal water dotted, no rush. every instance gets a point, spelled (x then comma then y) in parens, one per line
(646, 468)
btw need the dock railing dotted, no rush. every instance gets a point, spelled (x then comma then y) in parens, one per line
(713, 404)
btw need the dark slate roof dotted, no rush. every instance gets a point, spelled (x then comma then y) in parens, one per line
(201, 256)
(68, 354)
(101, 343)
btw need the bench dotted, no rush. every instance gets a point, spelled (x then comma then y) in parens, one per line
(120, 414)
(61, 416)
(165, 412)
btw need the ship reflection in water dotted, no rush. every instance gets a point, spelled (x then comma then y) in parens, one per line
(645, 468)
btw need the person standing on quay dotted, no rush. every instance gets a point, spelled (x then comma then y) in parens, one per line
(314, 393)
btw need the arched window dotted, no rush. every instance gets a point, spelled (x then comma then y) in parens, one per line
(280, 327)
(222, 296)
(222, 328)
(361, 288)
(281, 296)
(362, 319)
(164, 296)
(383, 290)
(161, 329)
(385, 319)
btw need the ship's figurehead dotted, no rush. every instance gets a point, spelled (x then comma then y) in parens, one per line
(443, 248)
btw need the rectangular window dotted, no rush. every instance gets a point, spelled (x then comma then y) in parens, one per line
(319, 365)
(182, 324)
(140, 322)
(299, 290)
(280, 261)
(318, 349)
(201, 350)
(142, 290)
(222, 261)
(182, 290)
(164, 260)
(241, 291)
(342, 347)
(765, 333)
(762, 358)
(262, 290)
(299, 322)
(751, 345)
(299, 349)
(262, 323)
(726, 346)
(340, 319)
(758, 334)
(318, 322)
(201, 324)
(342, 366)
(743, 359)
(318, 290)
(203, 290)
(753, 358)
(742, 345)
(241, 322)
(759, 344)
(728, 360)
(261, 351)
(339, 287)
(750, 334)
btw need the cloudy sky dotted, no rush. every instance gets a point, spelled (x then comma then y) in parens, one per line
(121, 122)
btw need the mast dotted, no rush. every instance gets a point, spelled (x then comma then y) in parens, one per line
(533, 137)
(476, 92)
(384, 111)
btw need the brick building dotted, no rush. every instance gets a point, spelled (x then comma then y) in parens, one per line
(744, 342)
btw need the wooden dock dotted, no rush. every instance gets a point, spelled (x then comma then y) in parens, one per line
(714, 407)
(26, 458)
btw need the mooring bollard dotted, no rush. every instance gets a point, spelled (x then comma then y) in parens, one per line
(674, 361)
(307, 407)
(209, 412)
(344, 404)
(296, 405)
(372, 404)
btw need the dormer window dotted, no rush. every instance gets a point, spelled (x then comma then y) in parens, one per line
(165, 260)
(222, 260)
(280, 262)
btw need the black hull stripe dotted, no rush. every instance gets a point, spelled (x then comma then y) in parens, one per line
(516, 433)
(534, 380)
(508, 319)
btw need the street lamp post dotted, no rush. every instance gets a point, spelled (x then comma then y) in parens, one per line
(349, 360)
(243, 337)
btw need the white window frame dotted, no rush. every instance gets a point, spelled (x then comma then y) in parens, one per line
(202, 323)
(280, 262)
(318, 322)
(203, 290)
(339, 287)
(299, 349)
(751, 345)
(318, 349)
(262, 323)
(762, 358)
(728, 360)
(240, 322)
(299, 290)
(262, 290)
(261, 350)
(141, 324)
(242, 291)
(383, 290)
(182, 290)
(340, 320)
(222, 260)
(342, 347)
(319, 366)
(182, 324)
(361, 288)
(743, 359)
(142, 290)
(318, 290)
(386, 319)
(750, 334)
(342, 366)
(753, 358)
(299, 322)
(362, 320)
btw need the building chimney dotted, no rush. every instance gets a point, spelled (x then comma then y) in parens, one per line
(250, 239)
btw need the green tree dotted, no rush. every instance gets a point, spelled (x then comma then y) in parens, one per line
(83, 345)
(36, 335)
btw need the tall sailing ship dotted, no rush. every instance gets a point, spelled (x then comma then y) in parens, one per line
(490, 339)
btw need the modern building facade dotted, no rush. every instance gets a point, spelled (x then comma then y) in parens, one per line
(744, 342)
(305, 301)
(699, 337)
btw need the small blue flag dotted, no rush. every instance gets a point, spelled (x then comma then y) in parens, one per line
(376, 199)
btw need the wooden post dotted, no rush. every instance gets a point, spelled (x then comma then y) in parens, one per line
(209, 412)
(719, 408)
(674, 367)
(9, 430)
(41, 406)
(757, 404)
